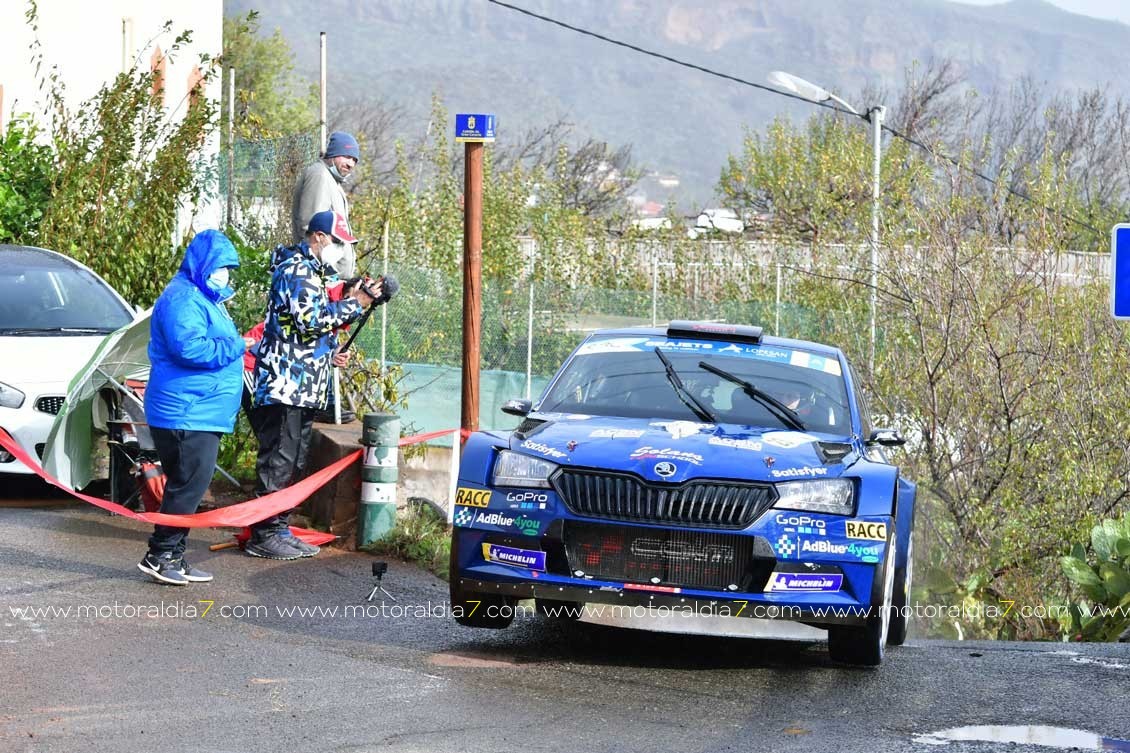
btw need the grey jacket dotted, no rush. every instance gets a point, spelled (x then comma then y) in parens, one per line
(316, 191)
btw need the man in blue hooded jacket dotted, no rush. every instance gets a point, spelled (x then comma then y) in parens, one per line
(193, 394)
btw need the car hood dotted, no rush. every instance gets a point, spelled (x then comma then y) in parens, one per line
(674, 451)
(44, 361)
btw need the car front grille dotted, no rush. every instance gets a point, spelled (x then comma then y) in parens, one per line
(671, 557)
(621, 496)
(50, 404)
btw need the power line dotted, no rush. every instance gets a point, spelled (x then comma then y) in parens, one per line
(661, 56)
(745, 82)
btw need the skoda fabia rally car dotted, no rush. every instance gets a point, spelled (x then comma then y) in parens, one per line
(703, 468)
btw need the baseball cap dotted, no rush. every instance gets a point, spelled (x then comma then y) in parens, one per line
(332, 224)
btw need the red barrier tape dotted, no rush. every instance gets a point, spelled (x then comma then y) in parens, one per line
(237, 515)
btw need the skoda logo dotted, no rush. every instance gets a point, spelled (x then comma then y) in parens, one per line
(665, 469)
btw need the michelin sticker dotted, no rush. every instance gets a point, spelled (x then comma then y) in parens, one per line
(507, 555)
(804, 582)
(787, 440)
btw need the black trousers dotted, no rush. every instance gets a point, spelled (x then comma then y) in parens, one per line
(284, 445)
(188, 459)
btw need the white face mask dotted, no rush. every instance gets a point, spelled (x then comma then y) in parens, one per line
(332, 253)
(218, 280)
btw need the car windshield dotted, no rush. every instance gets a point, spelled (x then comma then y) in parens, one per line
(56, 299)
(621, 376)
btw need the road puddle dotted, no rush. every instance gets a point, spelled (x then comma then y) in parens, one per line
(1030, 734)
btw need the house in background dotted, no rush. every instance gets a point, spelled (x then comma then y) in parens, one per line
(89, 43)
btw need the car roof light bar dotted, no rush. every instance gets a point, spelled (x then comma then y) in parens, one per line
(715, 331)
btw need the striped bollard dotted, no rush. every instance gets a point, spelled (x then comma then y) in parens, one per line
(380, 435)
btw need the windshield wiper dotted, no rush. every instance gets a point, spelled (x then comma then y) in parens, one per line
(684, 394)
(783, 412)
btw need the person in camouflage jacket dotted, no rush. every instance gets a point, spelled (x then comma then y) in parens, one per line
(292, 369)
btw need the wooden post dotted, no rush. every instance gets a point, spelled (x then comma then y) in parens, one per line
(472, 282)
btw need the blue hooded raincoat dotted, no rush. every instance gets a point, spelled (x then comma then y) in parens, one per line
(195, 350)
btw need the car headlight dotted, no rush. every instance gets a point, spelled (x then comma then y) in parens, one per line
(831, 495)
(516, 469)
(10, 397)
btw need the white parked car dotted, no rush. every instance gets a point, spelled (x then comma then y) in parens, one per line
(53, 314)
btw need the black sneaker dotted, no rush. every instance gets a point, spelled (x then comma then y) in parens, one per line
(274, 547)
(163, 569)
(304, 549)
(193, 574)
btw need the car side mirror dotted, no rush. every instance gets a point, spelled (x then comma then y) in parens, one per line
(886, 438)
(518, 407)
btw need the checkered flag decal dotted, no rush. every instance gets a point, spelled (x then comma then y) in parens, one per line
(463, 516)
(785, 547)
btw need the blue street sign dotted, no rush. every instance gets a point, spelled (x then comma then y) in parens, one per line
(474, 127)
(1120, 271)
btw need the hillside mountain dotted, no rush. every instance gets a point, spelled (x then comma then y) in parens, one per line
(485, 58)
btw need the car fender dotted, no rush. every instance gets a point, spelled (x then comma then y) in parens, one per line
(477, 459)
(877, 488)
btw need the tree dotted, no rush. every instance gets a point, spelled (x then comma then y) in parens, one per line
(25, 182)
(270, 100)
(124, 166)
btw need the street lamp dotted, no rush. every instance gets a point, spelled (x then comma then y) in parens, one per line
(874, 116)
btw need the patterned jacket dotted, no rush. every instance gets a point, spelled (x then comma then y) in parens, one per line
(293, 366)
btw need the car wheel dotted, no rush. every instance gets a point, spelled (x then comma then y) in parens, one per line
(555, 609)
(862, 645)
(900, 615)
(473, 609)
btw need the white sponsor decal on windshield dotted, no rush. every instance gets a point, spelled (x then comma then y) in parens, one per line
(680, 429)
(787, 440)
(611, 345)
(679, 345)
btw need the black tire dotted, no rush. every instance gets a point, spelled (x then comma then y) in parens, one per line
(863, 645)
(473, 609)
(900, 615)
(554, 609)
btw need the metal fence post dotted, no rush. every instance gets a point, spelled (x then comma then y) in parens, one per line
(654, 291)
(380, 435)
(530, 342)
(777, 312)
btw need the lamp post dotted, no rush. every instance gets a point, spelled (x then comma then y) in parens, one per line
(874, 116)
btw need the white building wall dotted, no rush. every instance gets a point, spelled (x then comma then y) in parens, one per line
(87, 42)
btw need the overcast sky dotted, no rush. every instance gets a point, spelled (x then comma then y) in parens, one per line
(1116, 9)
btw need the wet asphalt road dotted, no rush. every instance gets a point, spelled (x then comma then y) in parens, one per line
(236, 680)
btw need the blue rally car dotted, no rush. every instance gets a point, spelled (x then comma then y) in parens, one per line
(701, 469)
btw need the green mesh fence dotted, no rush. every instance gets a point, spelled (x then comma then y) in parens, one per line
(524, 337)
